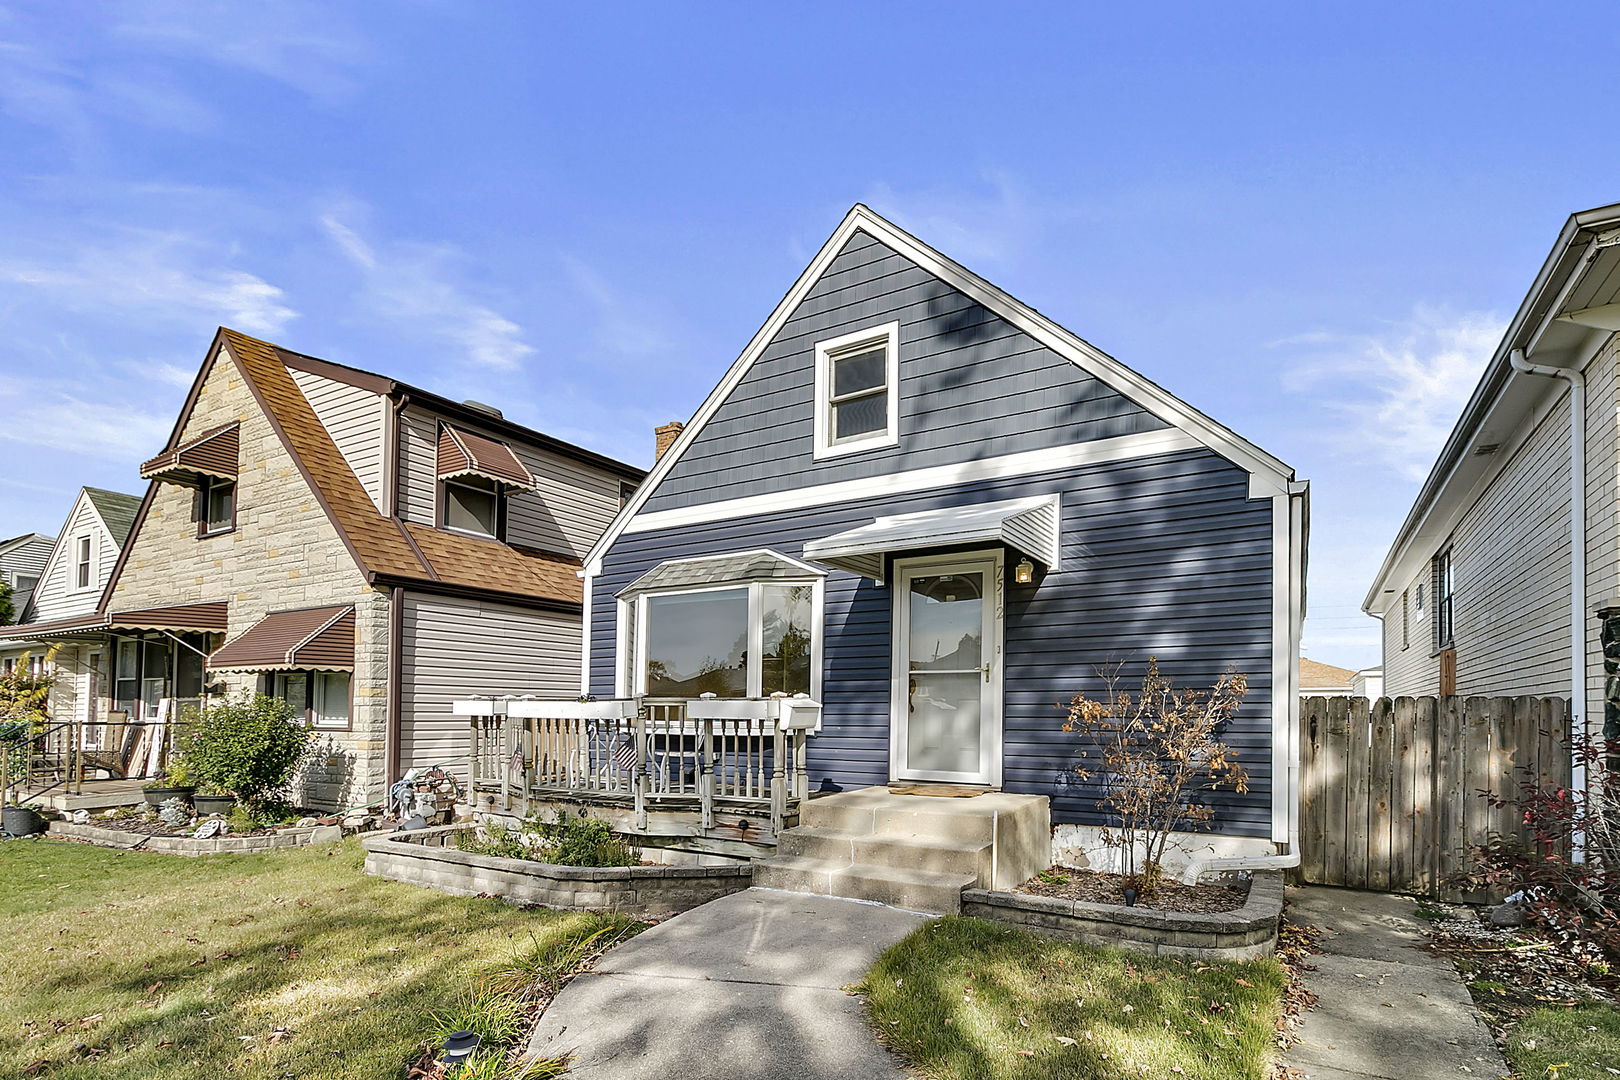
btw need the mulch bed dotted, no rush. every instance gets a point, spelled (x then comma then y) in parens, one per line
(156, 828)
(1512, 970)
(1170, 895)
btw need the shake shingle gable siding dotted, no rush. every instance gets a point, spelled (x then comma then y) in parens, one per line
(1161, 556)
(971, 386)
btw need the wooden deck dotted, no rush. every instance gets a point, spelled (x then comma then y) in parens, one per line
(92, 795)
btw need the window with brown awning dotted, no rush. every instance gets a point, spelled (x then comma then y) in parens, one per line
(465, 455)
(213, 454)
(310, 639)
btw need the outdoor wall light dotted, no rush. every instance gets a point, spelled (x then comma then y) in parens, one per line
(458, 1048)
(1024, 572)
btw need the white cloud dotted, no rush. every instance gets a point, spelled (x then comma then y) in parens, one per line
(1399, 391)
(169, 276)
(622, 326)
(412, 283)
(59, 419)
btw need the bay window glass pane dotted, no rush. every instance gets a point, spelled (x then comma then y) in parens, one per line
(861, 371)
(859, 416)
(697, 643)
(785, 649)
(331, 709)
(470, 509)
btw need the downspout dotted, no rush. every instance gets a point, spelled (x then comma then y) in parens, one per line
(1577, 558)
(1298, 533)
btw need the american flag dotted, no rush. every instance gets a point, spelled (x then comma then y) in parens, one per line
(625, 754)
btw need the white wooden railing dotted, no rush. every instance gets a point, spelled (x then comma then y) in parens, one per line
(711, 754)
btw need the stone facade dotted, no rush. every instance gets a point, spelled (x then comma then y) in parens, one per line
(424, 857)
(1244, 934)
(284, 553)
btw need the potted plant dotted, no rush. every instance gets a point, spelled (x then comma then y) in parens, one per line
(212, 799)
(19, 820)
(173, 784)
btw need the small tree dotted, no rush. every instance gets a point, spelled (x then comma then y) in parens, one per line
(25, 701)
(1156, 755)
(248, 747)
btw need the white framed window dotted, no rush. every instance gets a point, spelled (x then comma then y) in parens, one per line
(83, 573)
(749, 639)
(472, 506)
(857, 389)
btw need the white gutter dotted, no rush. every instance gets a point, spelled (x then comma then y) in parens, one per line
(1577, 557)
(1289, 694)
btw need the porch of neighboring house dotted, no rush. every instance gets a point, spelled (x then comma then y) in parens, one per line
(78, 764)
(723, 776)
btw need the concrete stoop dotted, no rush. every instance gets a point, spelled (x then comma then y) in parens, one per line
(910, 851)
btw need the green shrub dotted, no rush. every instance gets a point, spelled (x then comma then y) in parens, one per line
(568, 841)
(248, 747)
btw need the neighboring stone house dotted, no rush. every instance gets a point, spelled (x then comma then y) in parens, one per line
(363, 548)
(22, 560)
(1505, 576)
(71, 577)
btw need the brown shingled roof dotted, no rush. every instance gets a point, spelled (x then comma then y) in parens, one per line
(387, 550)
(1313, 673)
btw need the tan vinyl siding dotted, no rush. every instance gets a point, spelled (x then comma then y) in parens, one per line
(1414, 669)
(1602, 510)
(354, 417)
(57, 596)
(571, 509)
(452, 647)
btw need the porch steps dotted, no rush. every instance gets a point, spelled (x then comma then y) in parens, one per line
(910, 851)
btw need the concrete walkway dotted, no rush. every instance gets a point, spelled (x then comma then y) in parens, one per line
(1387, 1010)
(747, 987)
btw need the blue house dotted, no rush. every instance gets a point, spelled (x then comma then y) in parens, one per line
(937, 513)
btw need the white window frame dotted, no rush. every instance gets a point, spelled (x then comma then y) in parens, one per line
(85, 542)
(756, 632)
(889, 336)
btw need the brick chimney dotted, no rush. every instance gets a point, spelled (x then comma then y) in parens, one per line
(665, 437)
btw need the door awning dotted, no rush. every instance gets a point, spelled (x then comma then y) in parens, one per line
(734, 568)
(1027, 526)
(310, 639)
(213, 454)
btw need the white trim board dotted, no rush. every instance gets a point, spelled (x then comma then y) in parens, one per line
(1269, 476)
(1097, 451)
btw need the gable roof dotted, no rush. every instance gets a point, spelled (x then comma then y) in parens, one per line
(1571, 308)
(117, 511)
(23, 541)
(1313, 674)
(1268, 475)
(386, 550)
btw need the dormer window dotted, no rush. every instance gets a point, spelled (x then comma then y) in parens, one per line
(82, 575)
(474, 506)
(857, 389)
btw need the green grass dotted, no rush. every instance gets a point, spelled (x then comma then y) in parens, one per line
(131, 966)
(1580, 1042)
(964, 999)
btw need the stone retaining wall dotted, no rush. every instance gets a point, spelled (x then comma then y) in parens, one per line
(187, 845)
(1241, 934)
(428, 857)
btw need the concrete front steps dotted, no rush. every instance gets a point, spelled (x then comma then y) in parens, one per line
(914, 852)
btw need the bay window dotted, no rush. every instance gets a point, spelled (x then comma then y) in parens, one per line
(750, 639)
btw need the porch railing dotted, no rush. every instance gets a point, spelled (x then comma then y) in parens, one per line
(705, 754)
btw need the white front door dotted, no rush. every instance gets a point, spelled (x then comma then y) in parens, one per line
(946, 713)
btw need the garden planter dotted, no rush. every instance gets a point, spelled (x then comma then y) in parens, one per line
(21, 821)
(156, 796)
(213, 804)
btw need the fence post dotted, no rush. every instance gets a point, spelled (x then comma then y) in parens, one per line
(706, 776)
(639, 776)
(778, 778)
(507, 743)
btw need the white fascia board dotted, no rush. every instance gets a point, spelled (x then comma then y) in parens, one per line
(1269, 476)
(1119, 448)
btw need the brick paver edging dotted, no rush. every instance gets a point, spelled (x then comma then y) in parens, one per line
(422, 857)
(189, 845)
(1241, 934)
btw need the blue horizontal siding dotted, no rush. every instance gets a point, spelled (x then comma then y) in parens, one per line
(1163, 556)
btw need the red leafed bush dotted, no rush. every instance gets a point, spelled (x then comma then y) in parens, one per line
(1568, 861)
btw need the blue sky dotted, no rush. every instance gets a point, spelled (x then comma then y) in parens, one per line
(1309, 222)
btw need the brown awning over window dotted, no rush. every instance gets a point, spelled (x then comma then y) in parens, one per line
(214, 454)
(207, 617)
(461, 453)
(309, 639)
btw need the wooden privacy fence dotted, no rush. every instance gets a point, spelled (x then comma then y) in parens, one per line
(1390, 790)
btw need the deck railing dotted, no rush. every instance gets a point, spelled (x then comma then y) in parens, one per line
(711, 755)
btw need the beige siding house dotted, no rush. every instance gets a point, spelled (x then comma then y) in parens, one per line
(363, 548)
(1478, 594)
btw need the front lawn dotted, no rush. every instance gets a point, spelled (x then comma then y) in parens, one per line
(132, 966)
(964, 999)
(1578, 1042)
